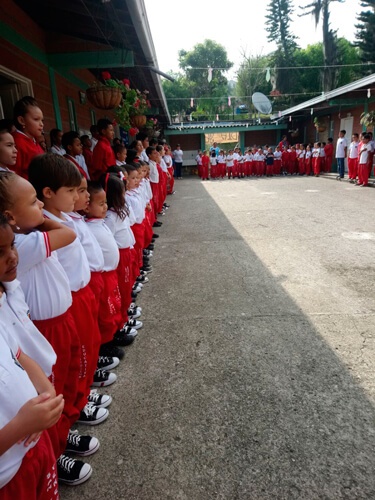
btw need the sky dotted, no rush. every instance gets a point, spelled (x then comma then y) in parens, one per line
(181, 24)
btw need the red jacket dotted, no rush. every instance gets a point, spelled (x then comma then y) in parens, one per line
(102, 158)
(27, 149)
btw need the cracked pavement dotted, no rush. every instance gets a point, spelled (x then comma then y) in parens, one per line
(253, 377)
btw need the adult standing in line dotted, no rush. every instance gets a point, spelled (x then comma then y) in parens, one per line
(341, 152)
(215, 148)
(178, 157)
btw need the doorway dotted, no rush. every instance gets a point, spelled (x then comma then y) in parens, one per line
(13, 86)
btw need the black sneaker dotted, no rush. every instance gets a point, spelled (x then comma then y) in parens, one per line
(134, 313)
(151, 246)
(103, 378)
(157, 224)
(71, 471)
(99, 400)
(148, 269)
(154, 235)
(124, 337)
(130, 324)
(142, 279)
(111, 351)
(107, 362)
(92, 415)
(81, 445)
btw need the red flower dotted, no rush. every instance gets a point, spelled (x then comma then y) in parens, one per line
(148, 103)
(114, 123)
(125, 81)
(106, 75)
(133, 131)
(137, 103)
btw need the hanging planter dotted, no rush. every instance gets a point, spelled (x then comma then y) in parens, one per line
(368, 119)
(138, 121)
(104, 97)
(320, 127)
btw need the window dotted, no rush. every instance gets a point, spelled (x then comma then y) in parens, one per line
(72, 114)
(93, 117)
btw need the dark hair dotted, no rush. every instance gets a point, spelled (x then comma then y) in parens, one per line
(6, 126)
(141, 136)
(4, 221)
(343, 132)
(6, 178)
(132, 156)
(118, 148)
(94, 187)
(133, 145)
(53, 171)
(115, 190)
(68, 139)
(103, 124)
(116, 140)
(53, 135)
(150, 150)
(153, 142)
(131, 168)
(21, 108)
(159, 148)
(367, 136)
(84, 138)
(94, 129)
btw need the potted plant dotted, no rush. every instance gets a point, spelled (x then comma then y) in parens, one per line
(139, 108)
(368, 119)
(320, 126)
(106, 95)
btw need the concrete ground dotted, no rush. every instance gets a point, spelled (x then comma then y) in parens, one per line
(253, 377)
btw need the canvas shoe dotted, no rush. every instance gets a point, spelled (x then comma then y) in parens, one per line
(125, 336)
(142, 279)
(71, 471)
(133, 323)
(133, 305)
(99, 400)
(103, 378)
(81, 445)
(146, 268)
(107, 362)
(111, 351)
(92, 415)
(134, 313)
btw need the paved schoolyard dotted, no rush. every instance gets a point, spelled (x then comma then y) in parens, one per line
(253, 377)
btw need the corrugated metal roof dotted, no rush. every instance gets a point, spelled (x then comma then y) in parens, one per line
(363, 82)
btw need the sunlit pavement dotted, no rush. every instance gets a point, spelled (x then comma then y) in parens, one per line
(253, 377)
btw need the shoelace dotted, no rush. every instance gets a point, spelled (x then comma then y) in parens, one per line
(74, 439)
(94, 397)
(66, 463)
(105, 359)
(89, 410)
(100, 374)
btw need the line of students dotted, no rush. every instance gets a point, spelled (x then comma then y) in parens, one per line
(263, 161)
(360, 158)
(81, 251)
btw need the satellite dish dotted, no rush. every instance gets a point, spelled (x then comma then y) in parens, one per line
(261, 103)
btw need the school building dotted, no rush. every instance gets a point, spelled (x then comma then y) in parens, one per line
(53, 50)
(335, 110)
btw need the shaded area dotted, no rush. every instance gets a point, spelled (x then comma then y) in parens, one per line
(230, 391)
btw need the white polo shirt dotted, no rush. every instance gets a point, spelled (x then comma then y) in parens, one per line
(120, 229)
(72, 257)
(15, 390)
(134, 200)
(89, 243)
(15, 313)
(154, 174)
(106, 241)
(364, 153)
(342, 143)
(43, 279)
(353, 150)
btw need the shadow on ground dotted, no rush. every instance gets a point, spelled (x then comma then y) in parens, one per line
(229, 391)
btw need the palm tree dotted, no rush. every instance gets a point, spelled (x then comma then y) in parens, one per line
(320, 9)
